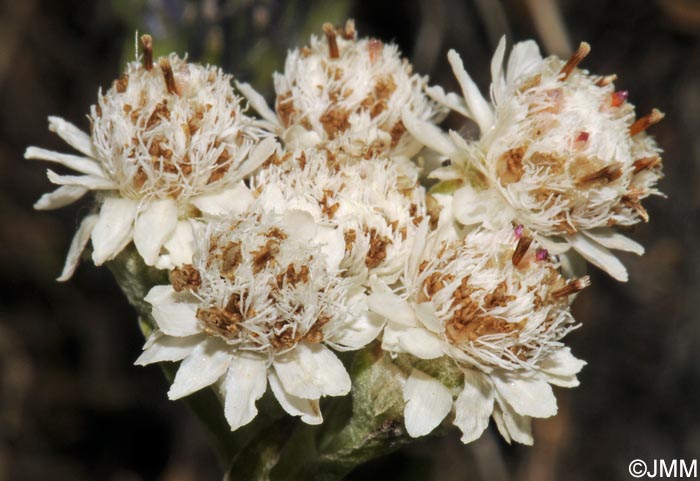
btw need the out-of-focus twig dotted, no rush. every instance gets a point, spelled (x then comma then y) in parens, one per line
(495, 20)
(11, 24)
(553, 438)
(683, 14)
(548, 20)
(431, 34)
(490, 462)
(15, 380)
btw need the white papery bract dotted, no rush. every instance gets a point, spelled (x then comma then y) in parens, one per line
(493, 304)
(167, 142)
(347, 94)
(262, 301)
(375, 205)
(560, 147)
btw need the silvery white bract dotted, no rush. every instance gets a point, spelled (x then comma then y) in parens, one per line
(560, 152)
(167, 141)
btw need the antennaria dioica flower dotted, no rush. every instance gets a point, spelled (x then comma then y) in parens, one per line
(560, 152)
(347, 94)
(290, 240)
(261, 303)
(168, 141)
(496, 306)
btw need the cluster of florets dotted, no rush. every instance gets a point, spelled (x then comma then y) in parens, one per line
(347, 94)
(376, 205)
(571, 158)
(560, 150)
(307, 232)
(167, 140)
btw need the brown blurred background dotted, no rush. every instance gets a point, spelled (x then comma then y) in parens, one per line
(72, 406)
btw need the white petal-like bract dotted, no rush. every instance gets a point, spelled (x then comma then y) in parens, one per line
(153, 227)
(312, 371)
(113, 228)
(201, 368)
(474, 405)
(245, 383)
(428, 401)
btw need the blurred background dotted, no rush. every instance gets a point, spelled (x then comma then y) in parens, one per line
(72, 405)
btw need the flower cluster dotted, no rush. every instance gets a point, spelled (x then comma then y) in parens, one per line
(168, 140)
(307, 232)
(347, 94)
(560, 152)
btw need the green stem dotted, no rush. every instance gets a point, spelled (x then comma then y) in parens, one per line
(352, 433)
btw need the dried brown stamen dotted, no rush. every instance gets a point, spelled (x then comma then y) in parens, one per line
(302, 160)
(609, 173)
(433, 208)
(328, 207)
(234, 305)
(185, 278)
(276, 233)
(292, 276)
(160, 111)
(470, 323)
(521, 249)
(530, 83)
(285, 108)
(223, 322)
(606, 80)
(265, 255)
(499, 297)
(436, 282)
(632, 201)
(397, 132)
(147, 44)
(283, 337)
(377, 249)
(572, 287)
(315, 334)
(350, 236)
(168, 76)
(647, 121)
(231, 257)
(375, 49)
(331, 37)
(335, 120)
(121, 83)
(580, 53)
(510, 165)
(349, 32)
(646, 163)
(222, 164)
(385, 87)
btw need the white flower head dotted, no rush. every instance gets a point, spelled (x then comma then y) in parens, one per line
(495, 305)
(376, 205)
(347, 94)
(261, 302)
(561, 147)
(168, 140)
